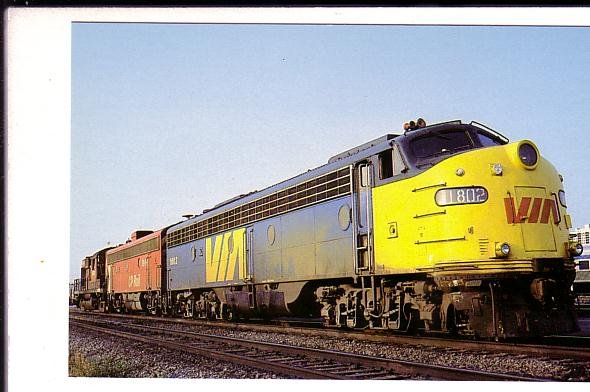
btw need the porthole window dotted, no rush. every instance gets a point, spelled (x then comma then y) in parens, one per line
(344, 216)
(270, 235)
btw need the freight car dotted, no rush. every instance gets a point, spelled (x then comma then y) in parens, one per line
(448, 227)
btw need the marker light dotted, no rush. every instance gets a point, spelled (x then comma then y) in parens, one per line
(497, 169)
(502, 249)
(562, 201)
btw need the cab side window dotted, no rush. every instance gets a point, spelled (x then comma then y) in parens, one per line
(488, 141)
(386, 164)
(399, 166)
(391, 163)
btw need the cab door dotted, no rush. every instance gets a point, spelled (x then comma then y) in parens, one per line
(248, 260)
(109, 278)
(363, 218)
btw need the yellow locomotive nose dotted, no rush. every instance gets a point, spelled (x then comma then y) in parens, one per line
(490, 214)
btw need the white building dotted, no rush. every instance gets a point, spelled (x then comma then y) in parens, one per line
(581, 284)
(583, 236)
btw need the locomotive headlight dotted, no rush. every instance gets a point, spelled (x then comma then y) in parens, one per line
(576, 249)
(579, 249)
(502, 249)
(528, 154)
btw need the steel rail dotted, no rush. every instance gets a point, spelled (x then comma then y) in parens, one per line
(407, 368)
(218, 355)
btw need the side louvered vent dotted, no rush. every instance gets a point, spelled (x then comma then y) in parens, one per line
(328, 186)
(484, 246)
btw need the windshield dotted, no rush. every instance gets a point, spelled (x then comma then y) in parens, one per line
(439, 143)
(489, 140)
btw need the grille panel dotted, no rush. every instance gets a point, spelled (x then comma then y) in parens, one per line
(328, 186)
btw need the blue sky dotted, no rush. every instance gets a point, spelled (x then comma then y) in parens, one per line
(172, 119)
(117, 127)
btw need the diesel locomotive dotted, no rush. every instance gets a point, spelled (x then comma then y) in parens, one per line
(91, 286)
(447, 228)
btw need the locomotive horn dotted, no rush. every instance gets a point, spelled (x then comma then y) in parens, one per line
(410, 126)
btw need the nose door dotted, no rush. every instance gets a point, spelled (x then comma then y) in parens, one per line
(537, 213)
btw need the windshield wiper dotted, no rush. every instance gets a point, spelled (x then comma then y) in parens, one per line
(449, 151)
(442, 152)
(440, 136)
(419, 165)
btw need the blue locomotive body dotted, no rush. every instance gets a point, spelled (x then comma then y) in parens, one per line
(263, 251)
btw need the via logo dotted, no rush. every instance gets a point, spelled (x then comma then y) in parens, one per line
(224, 254)
(533, 210)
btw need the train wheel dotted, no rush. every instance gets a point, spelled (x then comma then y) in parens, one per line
(164, 307)
(230, 313)
(411, 319)
(118, 305)
(211, 312)
(452, 321)
(154, 307)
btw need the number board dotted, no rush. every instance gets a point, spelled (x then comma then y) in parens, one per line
(463, 195)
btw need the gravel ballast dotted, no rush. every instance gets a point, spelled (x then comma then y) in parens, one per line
(140, 360)
(144, 361)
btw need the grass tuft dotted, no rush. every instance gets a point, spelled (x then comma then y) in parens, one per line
(80, 366)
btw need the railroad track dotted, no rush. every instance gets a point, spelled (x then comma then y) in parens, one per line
(557, 347)
(288, 360)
